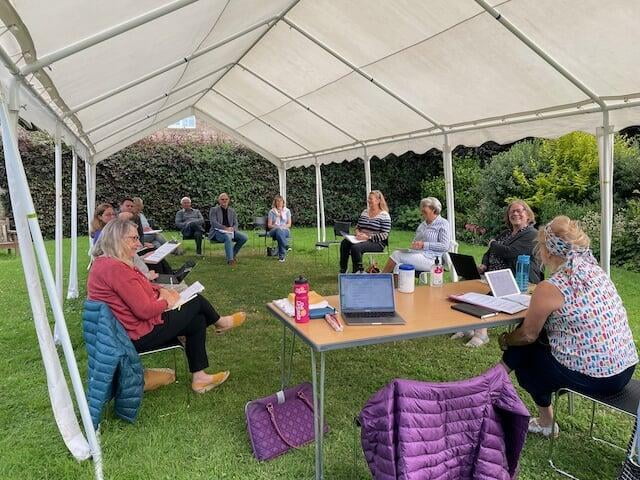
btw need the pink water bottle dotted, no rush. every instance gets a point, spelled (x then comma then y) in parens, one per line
(301, 299)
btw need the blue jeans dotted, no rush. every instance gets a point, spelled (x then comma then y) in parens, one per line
(281, 235)
(230, 250)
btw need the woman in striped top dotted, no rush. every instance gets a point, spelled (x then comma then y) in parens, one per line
(432, 240)
(372, 230)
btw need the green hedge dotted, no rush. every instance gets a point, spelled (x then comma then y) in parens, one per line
(163, 171)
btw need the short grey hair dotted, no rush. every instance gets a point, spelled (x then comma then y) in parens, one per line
(433, 203)
(184, 198)
(111, 241)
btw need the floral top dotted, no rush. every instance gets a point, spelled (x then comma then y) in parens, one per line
(590, 334)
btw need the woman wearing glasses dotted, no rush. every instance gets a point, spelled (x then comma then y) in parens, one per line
(518, 239)
(142, 307)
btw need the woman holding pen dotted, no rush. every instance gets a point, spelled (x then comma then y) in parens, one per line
(145, 309)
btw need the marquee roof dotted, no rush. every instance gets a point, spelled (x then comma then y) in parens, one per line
(323, 80)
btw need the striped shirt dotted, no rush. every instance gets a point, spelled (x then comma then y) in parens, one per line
(377, 227)
(435, 235)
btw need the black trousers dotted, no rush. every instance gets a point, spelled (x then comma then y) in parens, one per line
(540, 374)
(194, 231)
(192, 321)
(355, 250)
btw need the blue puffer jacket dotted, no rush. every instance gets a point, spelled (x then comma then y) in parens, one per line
(114, 365)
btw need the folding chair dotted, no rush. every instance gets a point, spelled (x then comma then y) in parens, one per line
(174, 345)
(338, 228)
(260, 228)
(625, 401)
(385, 251)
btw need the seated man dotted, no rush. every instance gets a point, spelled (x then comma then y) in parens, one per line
(191, 223)
(224, 228)
(155, 238)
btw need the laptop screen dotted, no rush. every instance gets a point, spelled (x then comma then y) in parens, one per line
(366, 293)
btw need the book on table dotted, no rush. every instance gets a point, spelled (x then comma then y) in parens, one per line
(496, 304)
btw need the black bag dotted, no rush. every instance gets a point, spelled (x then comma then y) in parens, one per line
(272, 251)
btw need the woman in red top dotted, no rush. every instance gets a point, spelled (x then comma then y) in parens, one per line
(140, 306)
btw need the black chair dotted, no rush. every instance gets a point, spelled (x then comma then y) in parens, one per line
(260, 228)
(625, 401)
(338, 228)
(173, 345)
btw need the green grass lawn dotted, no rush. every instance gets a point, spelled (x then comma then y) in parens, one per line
(208, 439)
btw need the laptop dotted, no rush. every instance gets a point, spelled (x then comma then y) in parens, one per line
(368, 299)
(465, 266)
(177, 277)
(503, 285)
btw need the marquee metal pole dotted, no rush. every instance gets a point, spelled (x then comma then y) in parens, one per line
(72, 288)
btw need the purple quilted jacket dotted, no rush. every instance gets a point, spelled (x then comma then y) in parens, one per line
(470, 429)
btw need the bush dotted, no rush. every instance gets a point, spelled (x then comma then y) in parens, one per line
(625, 241)
(510, 175)
(408, 219)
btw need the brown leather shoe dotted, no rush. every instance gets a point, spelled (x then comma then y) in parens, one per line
(155, 378)
(232, 263)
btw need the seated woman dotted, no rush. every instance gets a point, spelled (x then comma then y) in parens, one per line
(279, 224)
(588, 345)
(518, 239)
(141, 307)
(104, 214)
(372, 230)
(432, 240)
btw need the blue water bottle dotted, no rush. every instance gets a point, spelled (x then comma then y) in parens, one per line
(522, 273)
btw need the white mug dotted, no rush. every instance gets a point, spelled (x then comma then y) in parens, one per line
(424, 278)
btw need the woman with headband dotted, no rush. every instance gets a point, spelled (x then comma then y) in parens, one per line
(576, 333)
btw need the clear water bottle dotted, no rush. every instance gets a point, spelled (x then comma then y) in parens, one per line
(522, 273)
(436, 279)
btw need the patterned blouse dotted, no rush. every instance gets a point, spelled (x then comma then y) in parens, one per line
(377, 227)
(590, 334)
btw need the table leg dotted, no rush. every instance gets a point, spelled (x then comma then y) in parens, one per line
(285, 377)
(318, 410)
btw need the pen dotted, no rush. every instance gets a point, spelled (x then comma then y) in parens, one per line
(333, 322)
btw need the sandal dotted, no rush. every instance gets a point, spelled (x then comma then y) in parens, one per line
(217, 380)
(535, 427)
(237, 319)
(477, 341)
(457, 335)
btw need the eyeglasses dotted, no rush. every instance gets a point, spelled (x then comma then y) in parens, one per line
(517, 210)
(133, 237)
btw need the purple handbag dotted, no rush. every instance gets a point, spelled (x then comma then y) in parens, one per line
(281, 421)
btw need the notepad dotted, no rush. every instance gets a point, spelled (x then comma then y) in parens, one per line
(162, 251)
(188, 294)
(351, 238)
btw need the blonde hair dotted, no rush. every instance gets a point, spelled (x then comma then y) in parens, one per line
(567, 230)
(383, 203)
(275, 199)
(96, 222)
(527, 208)
(111, 241)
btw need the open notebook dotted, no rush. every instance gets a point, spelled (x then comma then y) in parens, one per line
(506, 294)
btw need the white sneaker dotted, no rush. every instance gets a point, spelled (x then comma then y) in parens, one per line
(535, 427)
